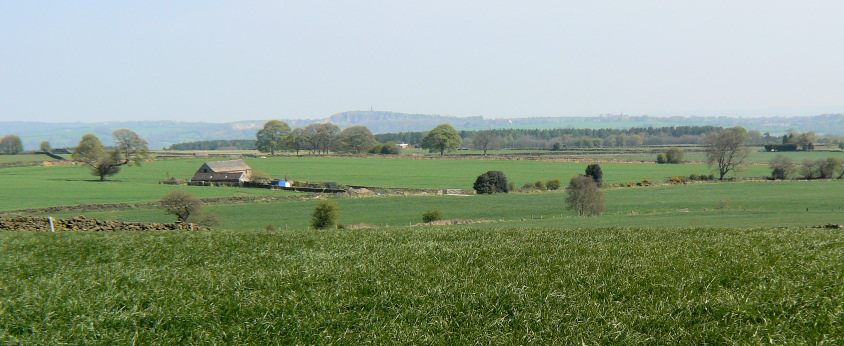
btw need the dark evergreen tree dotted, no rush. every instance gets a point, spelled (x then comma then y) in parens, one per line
(594, 171)
(491, 182)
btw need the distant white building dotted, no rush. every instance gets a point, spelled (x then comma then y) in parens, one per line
(402, 145)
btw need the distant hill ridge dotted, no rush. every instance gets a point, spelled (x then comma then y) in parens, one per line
(160, 134)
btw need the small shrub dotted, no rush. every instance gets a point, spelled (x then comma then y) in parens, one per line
(694, 176)
(431, 215)
(661, 158)
(206, 219)
(724, 203)
(325, 214)
(511, 186)
(528, 187)
(644, 182)
(554, 184)
(539, 185)
(269, 227)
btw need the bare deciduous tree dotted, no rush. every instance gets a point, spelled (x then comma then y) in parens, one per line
(584, 196)
(726, 149)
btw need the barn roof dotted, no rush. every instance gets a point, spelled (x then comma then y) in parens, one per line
(228, 166)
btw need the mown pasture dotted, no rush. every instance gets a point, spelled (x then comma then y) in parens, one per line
(439, 285)
(742, 204)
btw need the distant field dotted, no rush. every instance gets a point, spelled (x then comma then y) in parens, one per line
(31, 187)
(757, 204)
(34, 187)
(25, 158)
(434, 285)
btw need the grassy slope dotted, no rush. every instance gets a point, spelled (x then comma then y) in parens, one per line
(437, 285)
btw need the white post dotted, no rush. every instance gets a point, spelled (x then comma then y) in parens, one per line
(51, 224)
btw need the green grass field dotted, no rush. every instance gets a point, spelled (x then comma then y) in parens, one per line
(435, 285)
(663, 265)
(749, 204)
(25, 158)
(32, 187)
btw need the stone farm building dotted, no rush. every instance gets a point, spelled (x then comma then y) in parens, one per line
(234, 172)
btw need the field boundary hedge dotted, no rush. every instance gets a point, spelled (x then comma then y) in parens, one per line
(113, 206)
(80, 223)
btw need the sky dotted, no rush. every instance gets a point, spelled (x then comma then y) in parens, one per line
(223, 61)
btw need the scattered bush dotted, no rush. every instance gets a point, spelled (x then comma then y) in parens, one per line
(701, 177)
(724, 203)
(644, 182)
(554, 184)
(539, 185)
(431, 215)
(181, 204)
(491, 182)
(678, 180)
(325, 214)
(781, 167)
(206, 219)
(674, 155)
(661, 158)
(260, 176)
(173, 181)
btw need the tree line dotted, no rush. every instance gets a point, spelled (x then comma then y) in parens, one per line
(570, 137)
(323, 138)
(218, 144)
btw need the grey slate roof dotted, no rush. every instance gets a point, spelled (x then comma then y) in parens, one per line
(228, 166)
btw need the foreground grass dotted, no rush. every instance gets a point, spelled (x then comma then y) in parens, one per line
(434, 285)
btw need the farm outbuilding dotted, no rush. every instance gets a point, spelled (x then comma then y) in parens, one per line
(222, 172)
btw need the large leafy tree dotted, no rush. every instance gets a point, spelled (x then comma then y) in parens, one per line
(11, 144)
(726, 149)
(320, 136)
(441, 138)
(355, 140)
(296, 140)
(129, 149)
(272, 137)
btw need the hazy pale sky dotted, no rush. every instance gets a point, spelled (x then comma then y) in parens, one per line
(223, 61)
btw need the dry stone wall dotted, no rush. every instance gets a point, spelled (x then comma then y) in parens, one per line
(80, 223)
